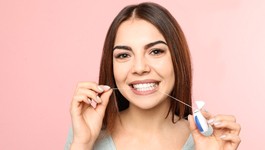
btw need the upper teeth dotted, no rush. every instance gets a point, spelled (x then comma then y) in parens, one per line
(144, 86)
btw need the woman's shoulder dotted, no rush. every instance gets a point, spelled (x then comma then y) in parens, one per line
(104, 142)
(183, 130)
(189, 144)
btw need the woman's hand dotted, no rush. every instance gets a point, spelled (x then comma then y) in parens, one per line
(225, 133)
(87, 111)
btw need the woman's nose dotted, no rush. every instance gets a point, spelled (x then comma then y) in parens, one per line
(140, 66)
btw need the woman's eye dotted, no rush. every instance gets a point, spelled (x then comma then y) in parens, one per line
(156, 52)
(122, 56)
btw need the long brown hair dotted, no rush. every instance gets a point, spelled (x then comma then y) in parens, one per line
(170, 29)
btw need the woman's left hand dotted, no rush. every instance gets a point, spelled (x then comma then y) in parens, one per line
(225, 133)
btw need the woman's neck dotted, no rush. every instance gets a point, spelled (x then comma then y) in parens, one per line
(139, 128)
(147, 120)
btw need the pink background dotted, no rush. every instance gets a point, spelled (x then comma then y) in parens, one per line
(48, 46)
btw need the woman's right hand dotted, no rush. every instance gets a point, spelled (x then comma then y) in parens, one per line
(87, 111)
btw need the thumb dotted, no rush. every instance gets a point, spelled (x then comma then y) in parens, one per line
(194, 131)
(105, 96)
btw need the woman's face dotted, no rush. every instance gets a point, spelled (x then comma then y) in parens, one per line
(142, 64)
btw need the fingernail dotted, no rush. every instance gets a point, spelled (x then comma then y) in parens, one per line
(89, 100)
(223, 136)
(99, 99)
(93, 104)
(217, 123)
(189, 116)
(106, 87)
(101, 90)
(210, 121)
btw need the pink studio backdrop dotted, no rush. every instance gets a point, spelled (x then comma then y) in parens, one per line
(48, 46)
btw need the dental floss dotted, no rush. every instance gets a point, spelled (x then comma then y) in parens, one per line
(177, 99)
(164, 94)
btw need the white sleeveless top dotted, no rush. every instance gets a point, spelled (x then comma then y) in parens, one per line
(106, 143)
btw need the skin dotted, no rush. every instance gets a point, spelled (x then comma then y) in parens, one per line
(140, 63)
(143, 125)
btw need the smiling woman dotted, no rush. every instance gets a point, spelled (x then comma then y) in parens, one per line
(145, 58)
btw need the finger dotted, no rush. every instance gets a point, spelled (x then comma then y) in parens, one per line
(234, 139)
(105, 97)
(223, 117)
(206, 114)
(194, 131)
(82, 98)
(105, 100)
(90, 94)
(232, 127)
(90, 85)
(93, 104)
(104, 87)
(78, 102)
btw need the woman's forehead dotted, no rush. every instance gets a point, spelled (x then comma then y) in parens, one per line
(134, 30)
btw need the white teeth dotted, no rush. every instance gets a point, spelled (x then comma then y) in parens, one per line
(144, 86)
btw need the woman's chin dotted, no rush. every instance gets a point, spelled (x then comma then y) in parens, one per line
(146, 104)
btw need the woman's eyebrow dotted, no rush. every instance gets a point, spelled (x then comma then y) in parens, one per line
(122, 47)
(145, 47)
(154, 43)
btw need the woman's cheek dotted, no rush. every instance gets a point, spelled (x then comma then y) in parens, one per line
(121, 71)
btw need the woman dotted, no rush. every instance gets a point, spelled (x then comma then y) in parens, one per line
(145, 62)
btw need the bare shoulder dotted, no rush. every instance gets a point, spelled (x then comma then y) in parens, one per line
(183, 126)
(181, 131)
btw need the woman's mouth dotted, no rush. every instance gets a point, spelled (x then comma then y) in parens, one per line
(144, 88)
